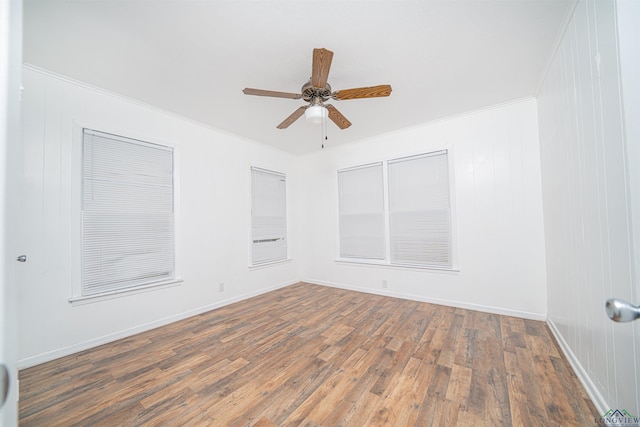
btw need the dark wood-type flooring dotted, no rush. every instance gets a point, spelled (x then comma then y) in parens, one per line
(315, 356)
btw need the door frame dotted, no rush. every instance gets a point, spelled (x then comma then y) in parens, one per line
(10, 177)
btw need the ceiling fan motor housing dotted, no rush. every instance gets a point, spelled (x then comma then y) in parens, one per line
(315, 95)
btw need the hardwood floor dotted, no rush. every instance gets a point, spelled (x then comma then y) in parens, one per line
(315, 356)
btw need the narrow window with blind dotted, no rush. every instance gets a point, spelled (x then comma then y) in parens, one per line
(268, 217)
(419, 211)
(127, 214)
(361, 212)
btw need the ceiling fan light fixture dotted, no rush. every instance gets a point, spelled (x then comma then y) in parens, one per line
(316, 114)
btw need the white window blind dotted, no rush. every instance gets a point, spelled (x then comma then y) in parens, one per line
(127, 213)
(419, 211)
(268, 216)
(361, 206)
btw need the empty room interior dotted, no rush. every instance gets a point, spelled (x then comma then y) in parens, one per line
(322, 213)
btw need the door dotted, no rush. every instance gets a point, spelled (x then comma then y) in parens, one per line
(10, 69)
(628, 16)
(626, 309)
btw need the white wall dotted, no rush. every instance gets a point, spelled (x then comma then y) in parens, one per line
(214, 173)
(500, 239)
(586, 205)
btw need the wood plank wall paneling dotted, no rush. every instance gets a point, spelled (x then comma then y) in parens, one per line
(314, 355)
(586, 204)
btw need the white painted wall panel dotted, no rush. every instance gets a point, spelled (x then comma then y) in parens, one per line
(628, 16)
(214, 179)
(500, 241)
(586, 205)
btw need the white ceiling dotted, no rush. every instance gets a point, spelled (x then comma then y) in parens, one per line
(193, 58)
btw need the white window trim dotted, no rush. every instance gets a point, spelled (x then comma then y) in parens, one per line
(270, 263)
(75, 215)
(386, 263)
(82, 300)
(259, 266)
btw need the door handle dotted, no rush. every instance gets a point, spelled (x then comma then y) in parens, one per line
(22, 258)
(622, 311)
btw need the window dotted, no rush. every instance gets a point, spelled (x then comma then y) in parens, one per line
(361, 206)
(419, 211)
(268, 216)
(127, 214)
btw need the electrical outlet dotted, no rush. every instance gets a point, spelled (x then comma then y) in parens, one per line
(221, 287)
(385, 284)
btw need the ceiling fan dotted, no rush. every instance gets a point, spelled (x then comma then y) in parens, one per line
(317, 91)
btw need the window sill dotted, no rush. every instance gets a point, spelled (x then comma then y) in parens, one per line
(269, 264)
(372, 263)
(90, 299)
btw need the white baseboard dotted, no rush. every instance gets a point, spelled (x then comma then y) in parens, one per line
(85, 345)
(450, 303)
(592, 390)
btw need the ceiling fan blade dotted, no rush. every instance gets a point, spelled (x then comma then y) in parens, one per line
(321, 65)
(292, 118)
(363, 92)
(272, 93)
(337, 117)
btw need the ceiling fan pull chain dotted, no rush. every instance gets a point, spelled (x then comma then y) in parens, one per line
(324, 130)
